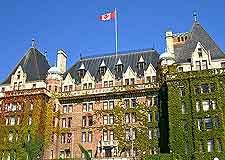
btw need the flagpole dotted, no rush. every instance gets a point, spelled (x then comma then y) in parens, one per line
(116, 32)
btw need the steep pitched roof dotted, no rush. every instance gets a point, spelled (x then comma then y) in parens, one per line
(197, 34)
(129, 58)
(34, 64)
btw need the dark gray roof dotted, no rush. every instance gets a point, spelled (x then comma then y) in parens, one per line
(129, 58)
(34, 64)
(197, 34)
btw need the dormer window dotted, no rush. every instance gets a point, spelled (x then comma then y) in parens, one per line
(141, 65)
(199, 52)
(82, 71)
(102, 68)
(18, 75)
(119, 66)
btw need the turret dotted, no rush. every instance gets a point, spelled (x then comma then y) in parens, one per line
(61, 60)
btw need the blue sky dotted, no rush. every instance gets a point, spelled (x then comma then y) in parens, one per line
(74, 26)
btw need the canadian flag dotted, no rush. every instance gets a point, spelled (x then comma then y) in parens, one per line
(107, 16)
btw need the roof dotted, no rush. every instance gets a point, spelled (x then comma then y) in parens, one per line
(197, 34)
(34, 64)
(128, 58)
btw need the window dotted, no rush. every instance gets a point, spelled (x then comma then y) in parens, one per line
(156, 116)
(69, 122)
(85, 86)
(127, 118)
(183, 107)
(105, 84)
(70, 108)
(141, 65)
(62, 154)
(197, 90)
(105, 105)
(180, 69)
(126, 81)
(148, 79)
(205, 88)
(64, 123)
(133, 117)
(197, 104)
(150, 133)
(90, 137)
(83, 137)
(149, 116)
(220, 146)
(85, 107)
(185, 123)
(199, 52)
(210, 145)
(30, 120)
(65, 88)
(132, 81)
(111, 136)
(212, 87)
(217, 122)
(105, 119)
(90, 107)
(205, 105)
(182, 91)
(111, 119)
(64, 108)
(182, 38)
(89, 85)
(28, 137)
(90, 119)
(10, 136)
(12, 121)
(222, 64)
(3, 89)
(70, 87)
(208, 123)
(178, 39)
(198, 65)
(84, 121)
(119, 68)
(127, 134)
(126, 103)
(201, 146)
(69, 137)
(200, 124)
(105, 136)
(133, 103)
(18, 120)
(13, 107)
(153, 78)
(110, 83)
(204, 65)
(212, 104)
(111, 104)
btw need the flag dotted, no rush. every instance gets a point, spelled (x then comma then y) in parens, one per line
(107, 16)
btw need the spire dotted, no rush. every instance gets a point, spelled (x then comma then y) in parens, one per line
(103, 64)
(119, 62)
(82, 67)
(33, 43)
(195, 16)
(141, 60)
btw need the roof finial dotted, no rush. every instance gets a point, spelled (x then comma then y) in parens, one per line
(33, 42)
(195, 16)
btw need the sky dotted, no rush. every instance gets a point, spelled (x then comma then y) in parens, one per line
(74, 26)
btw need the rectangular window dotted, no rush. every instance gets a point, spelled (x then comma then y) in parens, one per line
(210, 145)
(222, 64)
(64, 123)
(84, 121)
(182, 91)
(183, 108)
(90, 107)
(65, 88)
(69, 137)
(111, 104)
(198, 65)
(127, 103)
(84, 107)
(205, 105)
(208, 123)
(149, 116)
(90, 86)
(111, 136)
(180, 69)
(90, 137)
(150, 133)
(133, 117)
(105, 119)
(200, 124)
(64, 108)
(127, 118)
(212, 87)
(205, 88)
(212, 104)
(153, 78)
(201, 148)
(105, 136)
(126, 81)
(105, 105)
(10, 136)
(105, 84)
(110, 83)
(156, 116)
(83, 137)
(111, 118)
(204, 65)
(148, 79)
(70, 108)
(220, 146)
(197, 104)
(197, 90)
(132, 81)
(127, 134)
(70, 87)
(12, 121)
(69, 122)
(30, 120)
(185, 123)
(90, 119)
(63, 138)
(85, 86)
(133, 103)
(217, 122)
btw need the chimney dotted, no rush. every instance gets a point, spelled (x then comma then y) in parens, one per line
(61, 60)
(169, 42)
